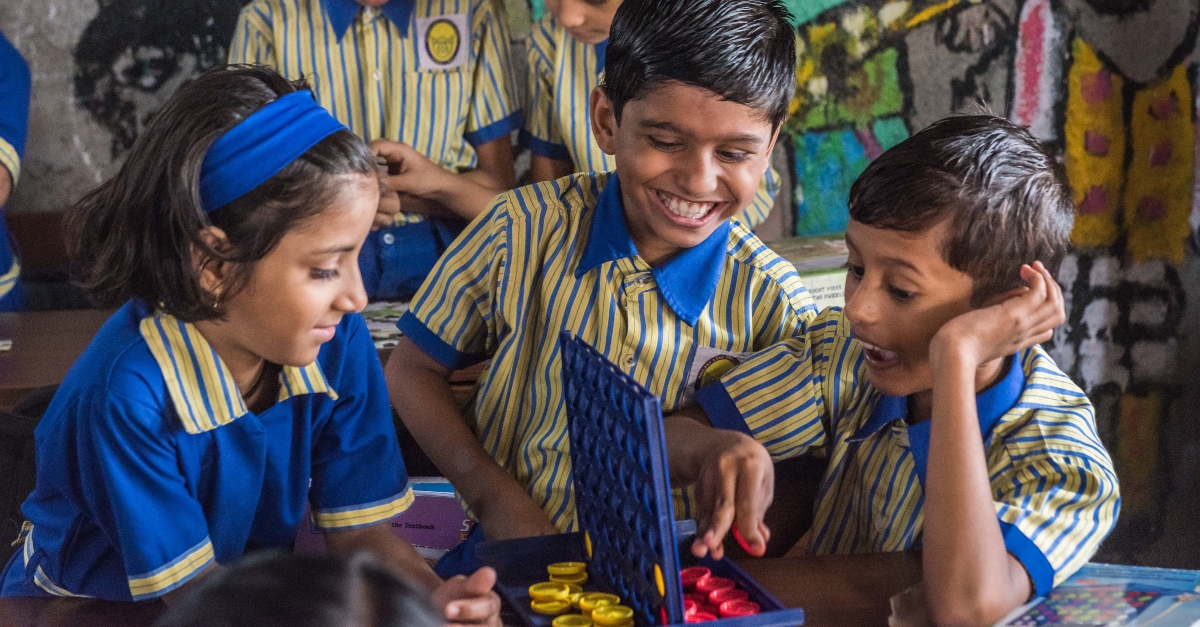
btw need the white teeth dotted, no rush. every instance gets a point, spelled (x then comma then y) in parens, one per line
(686, 209)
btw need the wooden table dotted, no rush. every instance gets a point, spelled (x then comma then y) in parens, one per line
(46, 343)
(843, 590)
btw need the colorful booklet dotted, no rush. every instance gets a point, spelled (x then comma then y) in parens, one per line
(1112, 594)
(381, 317)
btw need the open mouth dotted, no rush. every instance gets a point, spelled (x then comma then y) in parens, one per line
(685, 209)
(879, 358)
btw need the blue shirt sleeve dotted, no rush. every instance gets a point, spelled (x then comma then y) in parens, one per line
(15, 82)
(130, 480)
(358, 475)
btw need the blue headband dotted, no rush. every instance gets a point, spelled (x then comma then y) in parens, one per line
(261, 145)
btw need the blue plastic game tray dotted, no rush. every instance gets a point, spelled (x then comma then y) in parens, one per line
(630, 540)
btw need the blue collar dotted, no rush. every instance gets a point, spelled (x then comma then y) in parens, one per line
(991, 405)
(686, 281)
(341, 13)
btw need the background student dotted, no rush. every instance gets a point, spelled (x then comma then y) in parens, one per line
(236, 384)
(430, 77)
(14, 126)
(566, 62)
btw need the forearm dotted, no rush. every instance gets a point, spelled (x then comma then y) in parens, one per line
(421, 394)
(970, 577)
(379, 540)
(689, 437)
(547, 169)
(467, 194)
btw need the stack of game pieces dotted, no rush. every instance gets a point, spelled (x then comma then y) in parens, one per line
(564, 593)
(707, 597)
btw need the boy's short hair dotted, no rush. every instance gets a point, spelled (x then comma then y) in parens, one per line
(742, 50)
(1005, 197)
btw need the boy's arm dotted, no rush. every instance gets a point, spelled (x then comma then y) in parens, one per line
(970, 576)
(420, 392)
(464, 195)
(547, 169)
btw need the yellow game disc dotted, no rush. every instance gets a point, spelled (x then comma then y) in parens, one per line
(550, 608)
(572, 620)
(549, 591)
(592, 600)
(575, 578)
(575, 599)
(566, 568)
(612, 615)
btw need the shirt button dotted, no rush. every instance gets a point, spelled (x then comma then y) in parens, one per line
(629, 361)
(378, 76)
(389, 239)
(643, 280)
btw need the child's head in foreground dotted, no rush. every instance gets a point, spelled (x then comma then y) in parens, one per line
(267, 259)
(283, 590)
(941, 224)
(693, 96)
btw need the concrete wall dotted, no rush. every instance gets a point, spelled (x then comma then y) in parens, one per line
(1110, 84)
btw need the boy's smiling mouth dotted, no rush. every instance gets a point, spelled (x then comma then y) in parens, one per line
(683, 208)
(879, 358)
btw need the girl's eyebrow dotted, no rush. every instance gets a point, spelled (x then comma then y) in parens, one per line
(334, 250)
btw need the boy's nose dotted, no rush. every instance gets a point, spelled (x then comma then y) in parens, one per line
(570, 14)
(699, 177)
(858, 308)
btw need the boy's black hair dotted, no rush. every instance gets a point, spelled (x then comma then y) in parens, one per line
(273, 589)
(1005, 198)
(134, 236)
(742, 50)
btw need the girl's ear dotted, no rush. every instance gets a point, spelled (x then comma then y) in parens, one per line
(210, 269)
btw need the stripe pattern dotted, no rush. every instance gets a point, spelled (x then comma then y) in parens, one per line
(509, 285)
(1052, 480)
(562, 73)
(371, 80)
(40, 578)
(363, 515)
(200, 385)
(173, 574)
(11, 159)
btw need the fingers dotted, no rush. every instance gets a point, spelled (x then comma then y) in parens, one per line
(472, 600)
(754, 494)
(390, 150)
(711, 533)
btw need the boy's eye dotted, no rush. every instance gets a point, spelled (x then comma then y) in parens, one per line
(899, 293)
(662, 145)
(734, 156)
(855, 271)
(322, 274)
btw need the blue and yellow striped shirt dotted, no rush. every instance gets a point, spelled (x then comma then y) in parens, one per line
(151, 467)
(434, 74)
(562, 73)
(15, 84)
(1052, 480)
(557, 257)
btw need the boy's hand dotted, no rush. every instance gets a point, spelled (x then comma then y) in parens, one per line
(515, 515)
(1027, 317)
(409, 172)
(469, 600)
(735, 486)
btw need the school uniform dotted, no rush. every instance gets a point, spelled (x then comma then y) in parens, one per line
(557, 257)
(433, 74)
(15, 83)
(562, 73)
(150, 467)
(1052, 480)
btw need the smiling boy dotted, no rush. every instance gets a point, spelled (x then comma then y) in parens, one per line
(566, 63)
(947, 427)
(642, 263)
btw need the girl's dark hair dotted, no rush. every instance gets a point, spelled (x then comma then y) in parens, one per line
(1004, 198)
(134, 235)
(742, 50)
(274, 589)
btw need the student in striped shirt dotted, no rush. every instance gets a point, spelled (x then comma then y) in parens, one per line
(566, 62)
(947, 427)
(236, 384)
(643, 263)
(428, 82)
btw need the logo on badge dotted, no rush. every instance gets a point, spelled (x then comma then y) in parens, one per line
(442, 40)
(714, 368)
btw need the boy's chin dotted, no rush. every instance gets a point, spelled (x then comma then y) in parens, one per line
(892, 385)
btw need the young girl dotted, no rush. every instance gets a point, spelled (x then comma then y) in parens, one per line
(236, 382)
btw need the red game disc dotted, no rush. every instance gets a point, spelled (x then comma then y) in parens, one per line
(708, 584)
(700, 617)
(696, 598)
(717, 597)
(731, 609)
(689, 576)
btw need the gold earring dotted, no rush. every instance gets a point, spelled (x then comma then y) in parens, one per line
(216, 301)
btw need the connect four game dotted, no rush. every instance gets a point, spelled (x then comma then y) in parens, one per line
(1098, 605)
